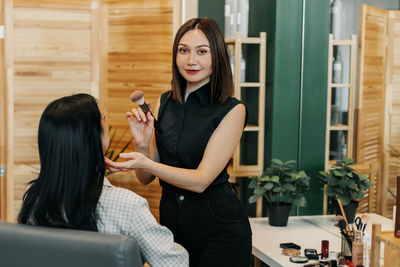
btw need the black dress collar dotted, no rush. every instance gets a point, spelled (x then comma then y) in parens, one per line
(203, 94)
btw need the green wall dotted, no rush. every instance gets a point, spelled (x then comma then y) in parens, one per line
(213, 9)
(295, 96)
(313, 126)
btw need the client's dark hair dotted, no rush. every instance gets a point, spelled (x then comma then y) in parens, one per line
(72, 166)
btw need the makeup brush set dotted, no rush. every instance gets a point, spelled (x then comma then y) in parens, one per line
(348, 234)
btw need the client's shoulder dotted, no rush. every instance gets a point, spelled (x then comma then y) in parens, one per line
(115, 195)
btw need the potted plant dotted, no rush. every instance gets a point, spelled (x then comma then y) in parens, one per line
(344, 183)
(281, 186)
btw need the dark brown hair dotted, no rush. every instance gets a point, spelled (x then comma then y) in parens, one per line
(70, 181)
(221, 78)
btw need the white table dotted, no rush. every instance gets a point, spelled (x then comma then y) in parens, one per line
(306, 231)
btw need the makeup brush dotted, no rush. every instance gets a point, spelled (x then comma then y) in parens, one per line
(364, 221)
(138, 98)
(342, 224)
(344, 215)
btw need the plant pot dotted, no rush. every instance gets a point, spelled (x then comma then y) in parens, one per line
(278, 215)
(349, 209)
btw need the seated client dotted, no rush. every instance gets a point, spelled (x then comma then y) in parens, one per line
(72, 192)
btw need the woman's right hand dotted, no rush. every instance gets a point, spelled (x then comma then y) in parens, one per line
(141, 126)
(134, 160)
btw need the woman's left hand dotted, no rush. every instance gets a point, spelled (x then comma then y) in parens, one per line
(135, 160)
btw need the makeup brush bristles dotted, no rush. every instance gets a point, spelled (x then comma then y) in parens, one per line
(364, 221)
(137, 97)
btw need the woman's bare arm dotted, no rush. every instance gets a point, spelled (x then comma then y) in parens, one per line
(218, 151)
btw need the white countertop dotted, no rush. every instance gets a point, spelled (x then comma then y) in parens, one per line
(305, 231)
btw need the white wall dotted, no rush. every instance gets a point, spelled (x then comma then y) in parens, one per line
(189, 10)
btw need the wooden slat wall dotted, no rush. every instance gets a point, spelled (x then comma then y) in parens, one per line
(70, 4)
(392, 165)
(140, 36)
(139, 54)
(52, 58)
(369, 203)
(3, 124)
(371, 90)
(56, 53)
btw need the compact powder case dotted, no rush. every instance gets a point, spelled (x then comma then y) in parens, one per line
(298, 259)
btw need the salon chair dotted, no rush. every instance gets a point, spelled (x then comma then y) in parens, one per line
(31, 246)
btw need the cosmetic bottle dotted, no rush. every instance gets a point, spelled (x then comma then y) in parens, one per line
(358, 249)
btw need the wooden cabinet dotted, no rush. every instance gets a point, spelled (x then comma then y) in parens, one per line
(391, 247)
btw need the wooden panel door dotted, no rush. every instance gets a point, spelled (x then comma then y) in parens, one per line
(392, 120)
(371, 90)
(53, 53)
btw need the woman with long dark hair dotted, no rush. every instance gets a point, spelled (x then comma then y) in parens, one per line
(202, 124)
(72, 192)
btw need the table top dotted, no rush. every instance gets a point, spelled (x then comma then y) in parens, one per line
(306, 231)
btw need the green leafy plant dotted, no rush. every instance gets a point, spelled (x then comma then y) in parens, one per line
(344, 183)
(113, 153)
(281, 183)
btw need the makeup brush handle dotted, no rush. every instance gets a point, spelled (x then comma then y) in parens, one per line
(349, 242)
(344, 215)
(145, 108)
(364, 226)
(157, 126)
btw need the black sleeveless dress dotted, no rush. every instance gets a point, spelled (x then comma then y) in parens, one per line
(213, 225)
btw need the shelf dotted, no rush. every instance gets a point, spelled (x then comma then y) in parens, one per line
(350, 114)
(342, 42)
(338, 85)
(251, 128)
(363, 168)
(339, 127)
(247, 40)
(245, 171)
(236, 168)
(249, 85)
